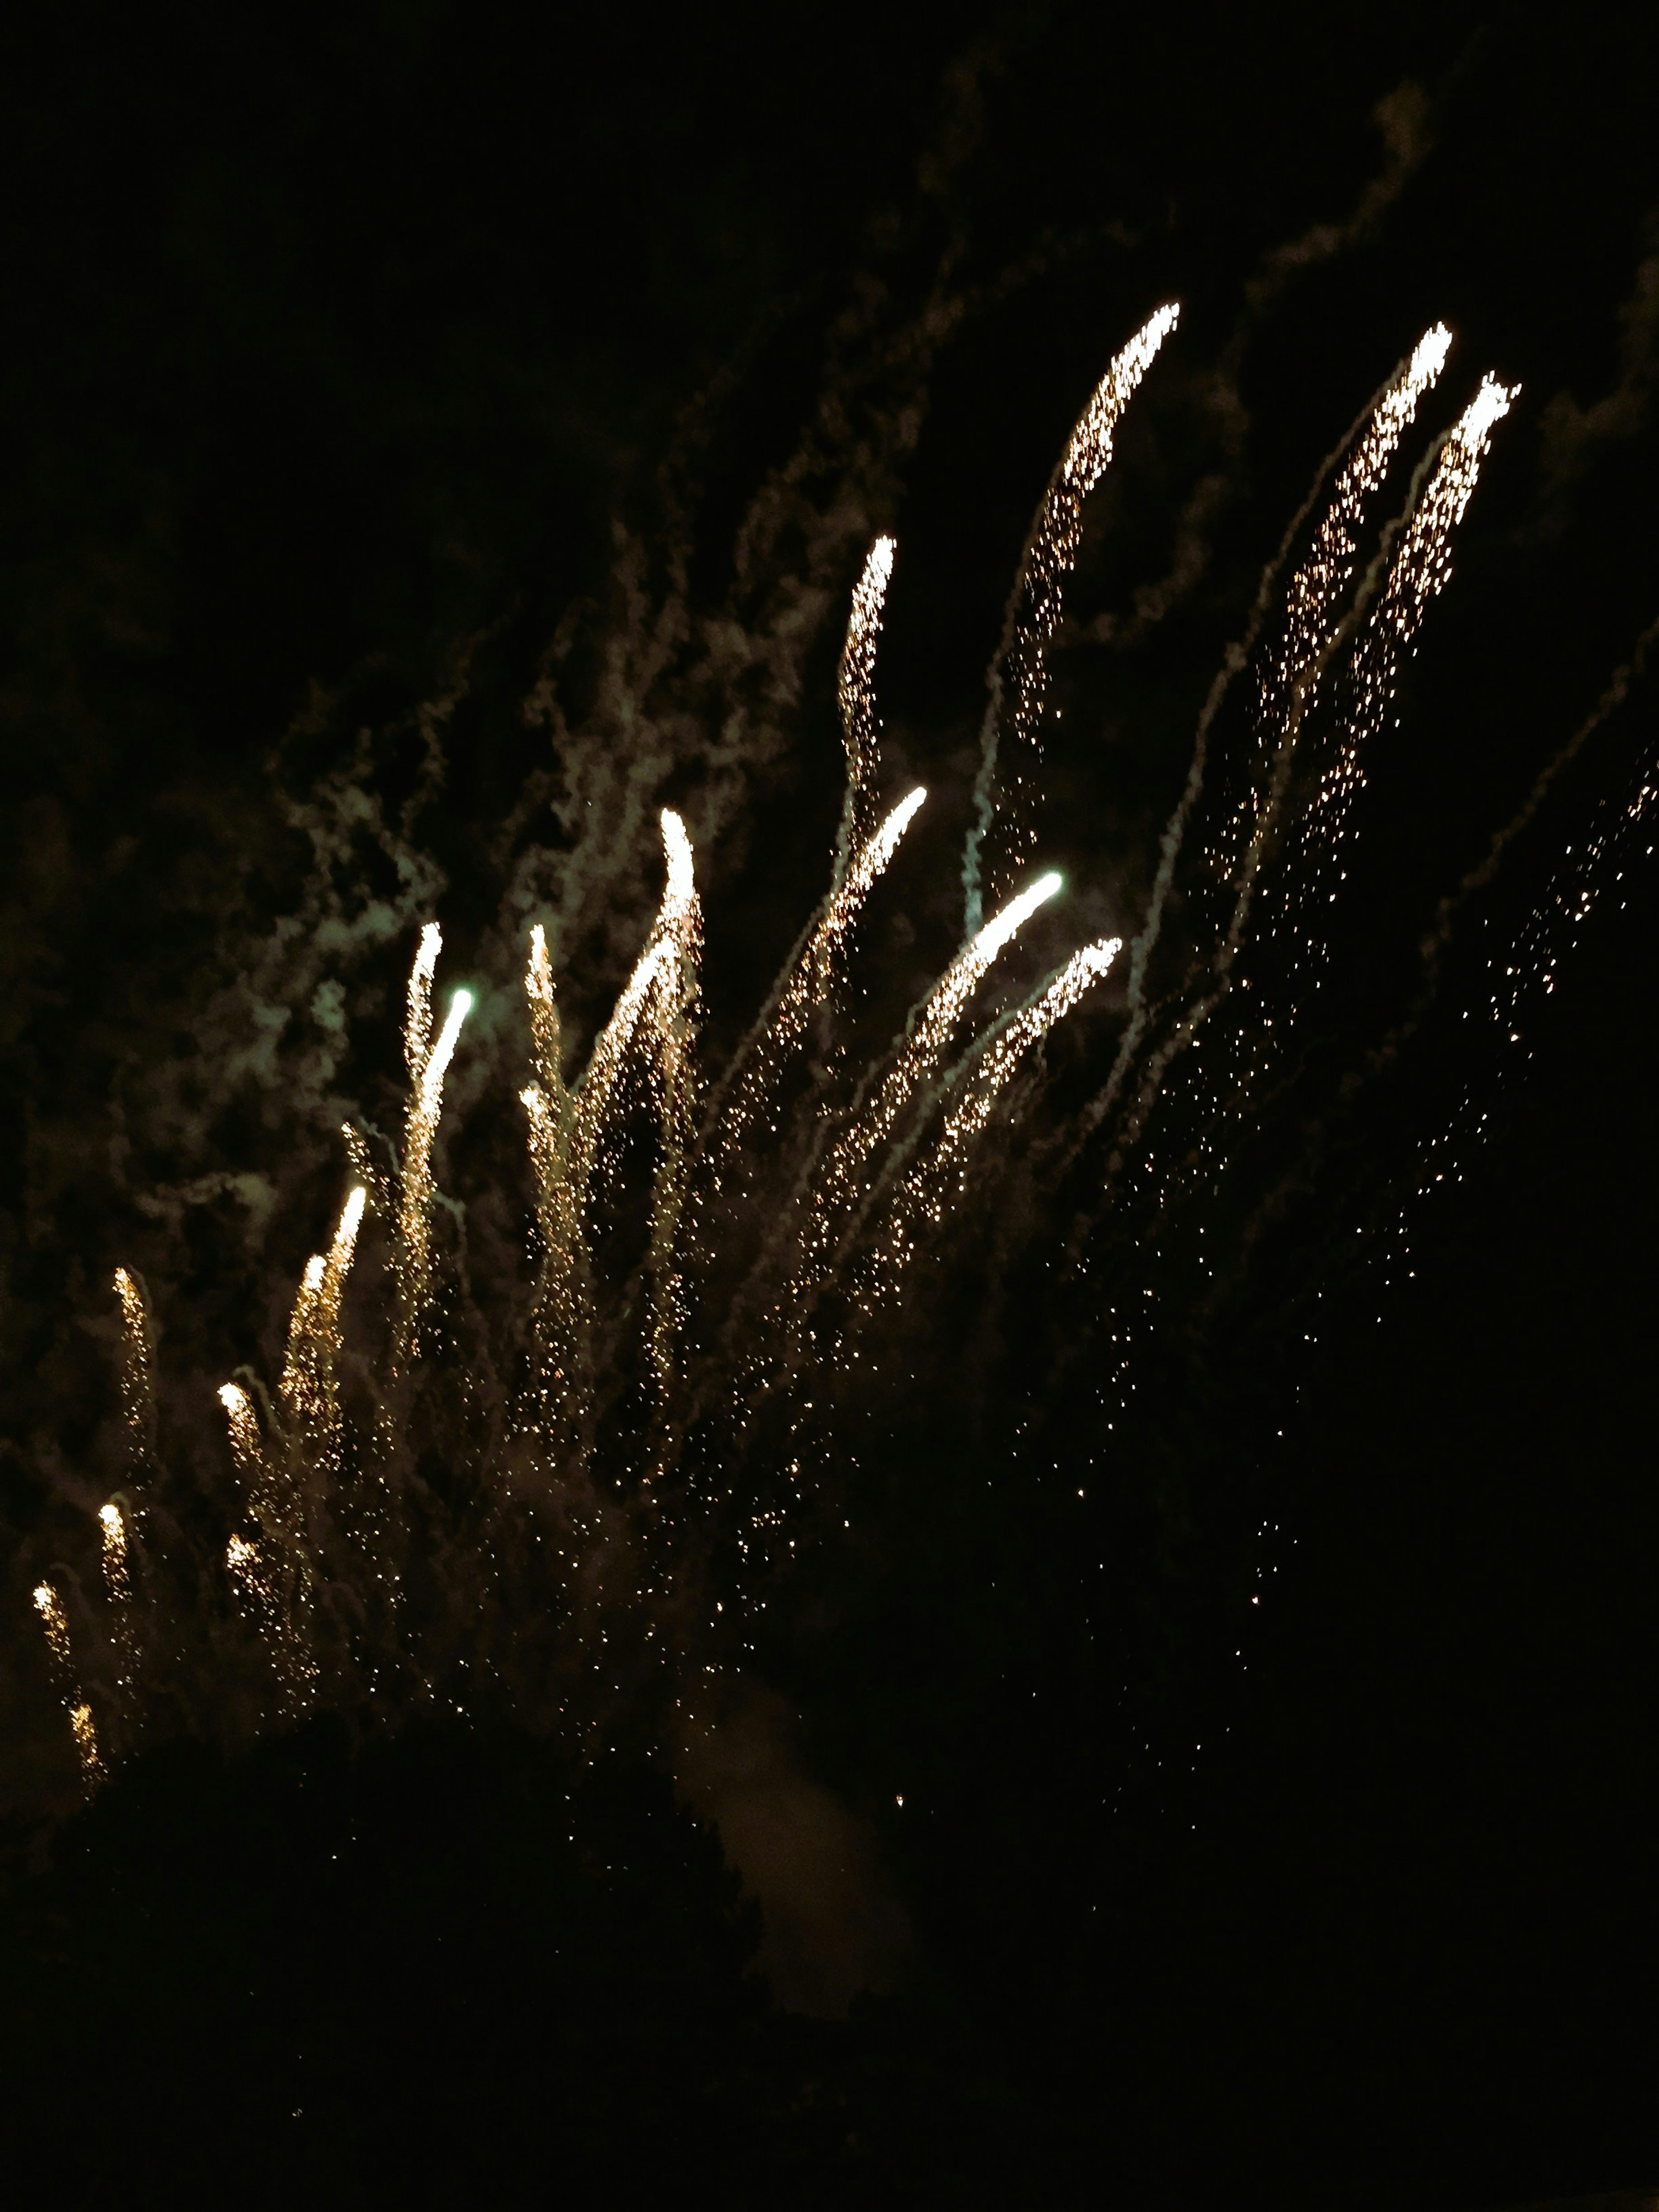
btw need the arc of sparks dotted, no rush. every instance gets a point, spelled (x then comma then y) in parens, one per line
(82, 1728)
(918, 1055)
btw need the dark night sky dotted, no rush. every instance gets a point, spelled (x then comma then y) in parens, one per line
(335, 337)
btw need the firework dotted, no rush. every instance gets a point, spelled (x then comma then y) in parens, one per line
(650, 1321)
(1002, 832)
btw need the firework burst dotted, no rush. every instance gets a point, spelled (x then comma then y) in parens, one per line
(409, 1511)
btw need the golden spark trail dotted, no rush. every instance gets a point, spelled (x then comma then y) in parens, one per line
(562, 1316)
(1385, 419)
(115, 1578)
(246, 1447)
(673, 932)
(117, 1581)
(1018, 681)
(1421, 568)
(85, 1732)
(1392, 597)
(310, 1386)
(428, 1066)
(855, 692)
(274, 1575)
(138, 1385)
(1287, 683)
(417, 1018)
(674, 1004)
(810, 977)
(918, 1056)
(926, 1189)
(547, 1046)
(55, 1621)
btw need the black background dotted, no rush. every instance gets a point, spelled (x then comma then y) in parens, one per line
(332, 335)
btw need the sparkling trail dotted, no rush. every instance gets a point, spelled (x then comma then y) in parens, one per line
(428, 1066)
(137, 1382)
(918, 1055)
(55, 1621)
(943, 1173)
(810, 977)
(855, 692)
(117, 1581)
(1018, 679)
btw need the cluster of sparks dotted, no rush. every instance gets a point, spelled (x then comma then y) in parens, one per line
(879, 1171)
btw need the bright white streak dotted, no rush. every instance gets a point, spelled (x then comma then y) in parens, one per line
(855, 691)
(437, 1067)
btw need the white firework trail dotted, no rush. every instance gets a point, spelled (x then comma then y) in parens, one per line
(273, 1574)
(1387, 611)
(942, 1176)
(810, 978)
(855, 693)
(1019, 678)
(428, 1064)
(82, 1728)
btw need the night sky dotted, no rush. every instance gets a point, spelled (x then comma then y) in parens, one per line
(1249, 1801)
